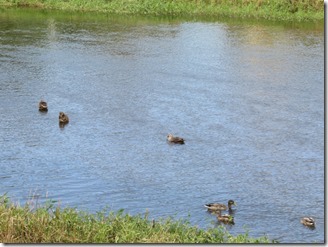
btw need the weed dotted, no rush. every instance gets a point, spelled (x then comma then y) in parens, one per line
(291, 10)
(51, 224)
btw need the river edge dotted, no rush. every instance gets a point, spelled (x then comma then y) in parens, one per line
(312, 11)
(48, 223)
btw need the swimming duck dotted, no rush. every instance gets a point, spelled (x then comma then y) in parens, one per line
(43, 106)
(226, 218)
(175, 139)
(308, 221)
(63, 118)
(219, 206)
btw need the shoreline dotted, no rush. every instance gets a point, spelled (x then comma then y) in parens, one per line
(47, 223)
(280, 10)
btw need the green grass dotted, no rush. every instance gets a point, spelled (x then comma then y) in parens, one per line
(49, 224)
(286, 10)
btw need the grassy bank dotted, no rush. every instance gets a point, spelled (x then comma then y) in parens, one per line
(288, 10)
(50, 224)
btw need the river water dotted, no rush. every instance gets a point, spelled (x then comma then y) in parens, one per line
(248, 97)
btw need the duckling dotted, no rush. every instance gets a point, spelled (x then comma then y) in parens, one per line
(308, 221)
(226, 218)
(63, 118)
(43, 106)
(219, 206)
(175, 139)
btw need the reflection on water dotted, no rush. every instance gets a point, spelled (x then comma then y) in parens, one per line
(247, 98)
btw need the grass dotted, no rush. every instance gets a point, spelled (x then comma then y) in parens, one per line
(286, 10)
(48, 223)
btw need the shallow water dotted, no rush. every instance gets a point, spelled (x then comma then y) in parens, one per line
(248, 97)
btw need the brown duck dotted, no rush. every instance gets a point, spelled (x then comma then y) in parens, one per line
(43, 106)
(226, 218)
(63, 118)
(308, 221)
(175, 139)
(219, 206)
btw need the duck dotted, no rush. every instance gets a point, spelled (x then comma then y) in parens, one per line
(219, 206)
(175, 139)
(43, 106)
(308, 221)
(226, 218)
(63, 118)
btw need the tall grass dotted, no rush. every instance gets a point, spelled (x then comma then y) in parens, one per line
(289, 10)
(48, 223)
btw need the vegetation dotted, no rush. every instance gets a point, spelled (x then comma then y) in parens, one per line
(49, 224)
(289, 10)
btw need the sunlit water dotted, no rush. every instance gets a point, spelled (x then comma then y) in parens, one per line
(247, 97)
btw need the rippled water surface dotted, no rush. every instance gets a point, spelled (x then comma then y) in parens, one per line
(248, 97)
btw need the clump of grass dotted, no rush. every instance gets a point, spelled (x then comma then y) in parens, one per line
(49, 224)
(288, 10)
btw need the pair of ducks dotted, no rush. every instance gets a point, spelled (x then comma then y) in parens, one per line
(218, 207)
(63, 118)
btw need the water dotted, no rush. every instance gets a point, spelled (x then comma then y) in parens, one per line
(248, 97)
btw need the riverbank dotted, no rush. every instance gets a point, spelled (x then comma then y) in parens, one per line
(50, 224)
(295, 10)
